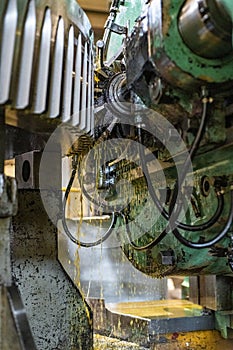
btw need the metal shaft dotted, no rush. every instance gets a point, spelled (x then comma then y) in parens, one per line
(206, 27)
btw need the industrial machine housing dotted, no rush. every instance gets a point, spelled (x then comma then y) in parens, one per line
(145, 118)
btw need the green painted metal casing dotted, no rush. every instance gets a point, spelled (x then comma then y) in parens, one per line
(156, 40)
(176, 62)
(187, 261)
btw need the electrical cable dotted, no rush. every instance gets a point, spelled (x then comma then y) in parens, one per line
(92, 199)
(66, 229)
(164, 213)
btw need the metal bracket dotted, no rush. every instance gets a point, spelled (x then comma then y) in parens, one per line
(116, 28)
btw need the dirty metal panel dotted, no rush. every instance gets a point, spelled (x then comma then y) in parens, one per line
(5, 271)
(57, 313)
(216, 292)
(182, 324)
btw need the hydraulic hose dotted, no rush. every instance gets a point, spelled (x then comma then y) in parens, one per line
(209, 223)
(150, 245)
(174, 213)
(195, 228)
(66, 229)
(165, 214)
(212, 241)
(192, 152)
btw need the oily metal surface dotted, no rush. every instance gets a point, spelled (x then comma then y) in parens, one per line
(202, 340)
(107, 343)
(167, 316)
(157, 308)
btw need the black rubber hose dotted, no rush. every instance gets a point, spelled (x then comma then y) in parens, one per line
(184, 241)
(2, 139)
(66, 229)
(150, 245)
(212, 241)
(164, 213)
(175, 213)
(88, 197)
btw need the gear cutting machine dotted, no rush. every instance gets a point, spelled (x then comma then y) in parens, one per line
(145, 119)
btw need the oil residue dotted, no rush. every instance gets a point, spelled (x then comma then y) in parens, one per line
(106, 343)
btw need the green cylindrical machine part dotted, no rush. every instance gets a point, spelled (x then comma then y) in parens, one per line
(206, 27)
